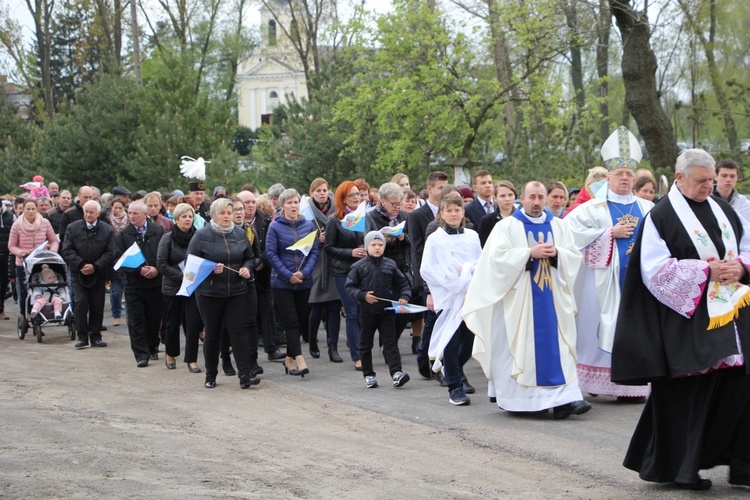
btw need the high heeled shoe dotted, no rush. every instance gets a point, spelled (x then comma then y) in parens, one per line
(291, 371)
(172, 365)
(303, 372)
(287, 369)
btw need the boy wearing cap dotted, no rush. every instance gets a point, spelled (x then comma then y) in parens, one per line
(374, 282)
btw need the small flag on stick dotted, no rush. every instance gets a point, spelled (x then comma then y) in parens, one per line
(132, 258)
(197, 270)
(305, 244)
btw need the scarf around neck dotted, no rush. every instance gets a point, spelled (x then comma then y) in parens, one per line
(385, 213)
(31, 227)
(221, 230)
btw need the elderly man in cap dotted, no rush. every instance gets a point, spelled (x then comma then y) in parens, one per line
(605, 229)
(122, 192)
(197, 191)
(89, 252)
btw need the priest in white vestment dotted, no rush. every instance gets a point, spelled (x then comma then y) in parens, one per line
(521, 308)
(605, 229)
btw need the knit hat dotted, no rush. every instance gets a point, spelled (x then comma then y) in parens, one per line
(219, 188)
(48, 275)
(373, 235)
(38, 178)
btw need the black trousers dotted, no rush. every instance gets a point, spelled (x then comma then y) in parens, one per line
(252, 329)
(145, 306)
(88, 307)
(182, 311)
(232, 311)
(4, 278)
(266, 318)
(385, 323)
(295, 313)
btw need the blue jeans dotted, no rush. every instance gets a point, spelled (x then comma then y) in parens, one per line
(351, 308)
(116, 287)
(21, 287)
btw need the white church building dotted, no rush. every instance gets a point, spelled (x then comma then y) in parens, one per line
(272, 75)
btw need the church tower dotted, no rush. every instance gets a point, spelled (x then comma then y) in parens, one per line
(273, 73)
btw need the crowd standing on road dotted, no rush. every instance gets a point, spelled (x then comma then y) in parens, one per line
(605, 290)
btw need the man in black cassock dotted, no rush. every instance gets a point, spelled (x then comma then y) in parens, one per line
(684, 327)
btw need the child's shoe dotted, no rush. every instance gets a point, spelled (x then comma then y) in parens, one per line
(58, 314)
(400, 378)
(34, 313)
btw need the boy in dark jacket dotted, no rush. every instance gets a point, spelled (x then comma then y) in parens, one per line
(370, 279)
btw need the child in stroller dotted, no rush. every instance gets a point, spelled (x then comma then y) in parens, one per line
(43, 295)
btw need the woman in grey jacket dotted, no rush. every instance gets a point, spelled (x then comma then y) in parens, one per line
(222, 295)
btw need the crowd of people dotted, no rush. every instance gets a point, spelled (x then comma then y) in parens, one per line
(605, 290)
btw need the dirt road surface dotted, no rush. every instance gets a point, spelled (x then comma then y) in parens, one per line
(89, 424)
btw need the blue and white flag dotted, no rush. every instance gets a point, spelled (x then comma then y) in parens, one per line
(394, 231)
(132, 258)
(196, 270)
(305, 209)
(355, 221)
(405, 308)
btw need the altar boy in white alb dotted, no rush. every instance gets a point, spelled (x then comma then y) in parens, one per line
(521, 309)
(605, 230)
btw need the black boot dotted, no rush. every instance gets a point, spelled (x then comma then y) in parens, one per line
(333, 354)
(226, 364)
(314, 349)
(415, 344)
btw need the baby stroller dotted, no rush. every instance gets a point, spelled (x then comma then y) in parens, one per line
(32, 274)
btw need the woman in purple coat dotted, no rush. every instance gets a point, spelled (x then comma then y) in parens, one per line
(291, 276)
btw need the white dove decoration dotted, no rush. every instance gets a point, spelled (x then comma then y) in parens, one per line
(194, 169)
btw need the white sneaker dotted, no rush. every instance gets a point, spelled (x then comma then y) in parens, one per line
(400, 378)
(371, 382)
(58, 315)
(34, 313)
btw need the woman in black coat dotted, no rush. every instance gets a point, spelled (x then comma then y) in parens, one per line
(222, 296)
(345, 248)
(178, 309)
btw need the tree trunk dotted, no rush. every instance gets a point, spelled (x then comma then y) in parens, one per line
(576, 62)
(136, 43)
(235, 57)
(501, 59)
(117, 28)
(41, 11)
(713, 71)
(602, 66)
(639, 76)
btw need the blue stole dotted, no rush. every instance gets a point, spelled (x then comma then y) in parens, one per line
(627, 213)
(549, 371)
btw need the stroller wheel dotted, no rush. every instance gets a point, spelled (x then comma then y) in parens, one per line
(72, 328)
(38, 333)
(22, 328)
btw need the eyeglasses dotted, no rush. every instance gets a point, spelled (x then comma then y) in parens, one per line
(353, 195)
(394, 204)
